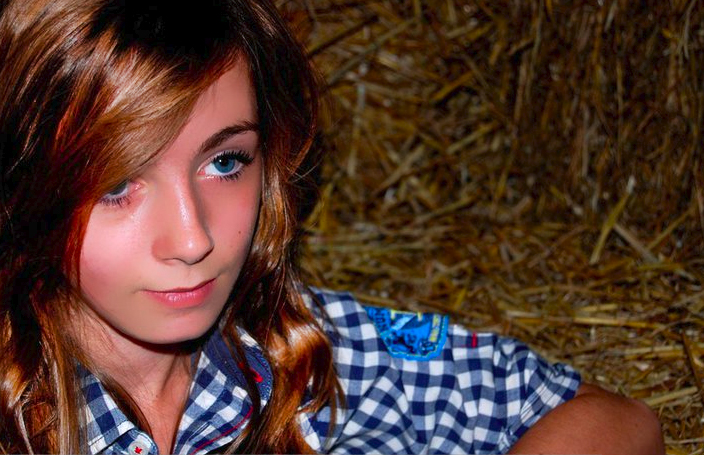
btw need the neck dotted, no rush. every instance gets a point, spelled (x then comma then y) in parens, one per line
(147, 371)
(157, 377)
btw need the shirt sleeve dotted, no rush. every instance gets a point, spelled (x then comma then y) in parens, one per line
(415, 384)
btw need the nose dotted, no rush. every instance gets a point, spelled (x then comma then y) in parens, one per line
(182, 233)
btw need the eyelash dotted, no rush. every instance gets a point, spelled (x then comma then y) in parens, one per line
(119, 201)
(244, 159)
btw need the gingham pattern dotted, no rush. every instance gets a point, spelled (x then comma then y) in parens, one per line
(217, 410)
(478, 396)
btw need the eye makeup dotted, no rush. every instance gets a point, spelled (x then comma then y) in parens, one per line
(227, 165)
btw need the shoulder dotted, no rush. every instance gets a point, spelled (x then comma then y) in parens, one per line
(339, 308)
(358, 350)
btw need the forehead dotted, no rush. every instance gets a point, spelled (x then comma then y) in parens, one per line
(231, 97)
(228, 104)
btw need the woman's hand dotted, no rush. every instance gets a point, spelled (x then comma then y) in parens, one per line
(595, 422)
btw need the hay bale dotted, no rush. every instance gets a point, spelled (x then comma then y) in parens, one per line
(530, 167)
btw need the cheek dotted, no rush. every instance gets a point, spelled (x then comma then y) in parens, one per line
(233, 217)
(107, 256)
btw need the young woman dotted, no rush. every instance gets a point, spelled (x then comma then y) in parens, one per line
(152, 164)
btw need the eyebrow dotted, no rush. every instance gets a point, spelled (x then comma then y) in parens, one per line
(226, 133)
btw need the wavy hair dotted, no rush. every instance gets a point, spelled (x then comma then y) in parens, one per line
(91, 91)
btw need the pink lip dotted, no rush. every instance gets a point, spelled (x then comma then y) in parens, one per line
(184, 297)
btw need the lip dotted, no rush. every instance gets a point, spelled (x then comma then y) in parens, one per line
(184, 297)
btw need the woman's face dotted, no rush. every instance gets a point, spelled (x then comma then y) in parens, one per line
(162, 252)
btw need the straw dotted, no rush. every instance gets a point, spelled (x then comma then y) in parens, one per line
(532, 168)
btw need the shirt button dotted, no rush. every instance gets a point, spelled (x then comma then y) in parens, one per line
(137, 448)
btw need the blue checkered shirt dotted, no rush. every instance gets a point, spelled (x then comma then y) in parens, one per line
(413, 384)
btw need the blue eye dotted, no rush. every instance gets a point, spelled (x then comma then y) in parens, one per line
(118, 196)
(119, 190)
(228, 165)
(224, 164)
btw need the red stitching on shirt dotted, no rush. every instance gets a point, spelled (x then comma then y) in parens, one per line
(257, 377)
(249, 414)
(475, 342)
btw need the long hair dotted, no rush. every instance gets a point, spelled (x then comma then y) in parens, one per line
(90, 92)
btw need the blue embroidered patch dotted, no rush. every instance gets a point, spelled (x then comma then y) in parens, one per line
(413, 336)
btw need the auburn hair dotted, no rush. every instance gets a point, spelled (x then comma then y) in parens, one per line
(91, 92)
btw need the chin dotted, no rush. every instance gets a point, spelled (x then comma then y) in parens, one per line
(172, 334)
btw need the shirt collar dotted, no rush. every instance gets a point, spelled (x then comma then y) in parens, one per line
(217, 410)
